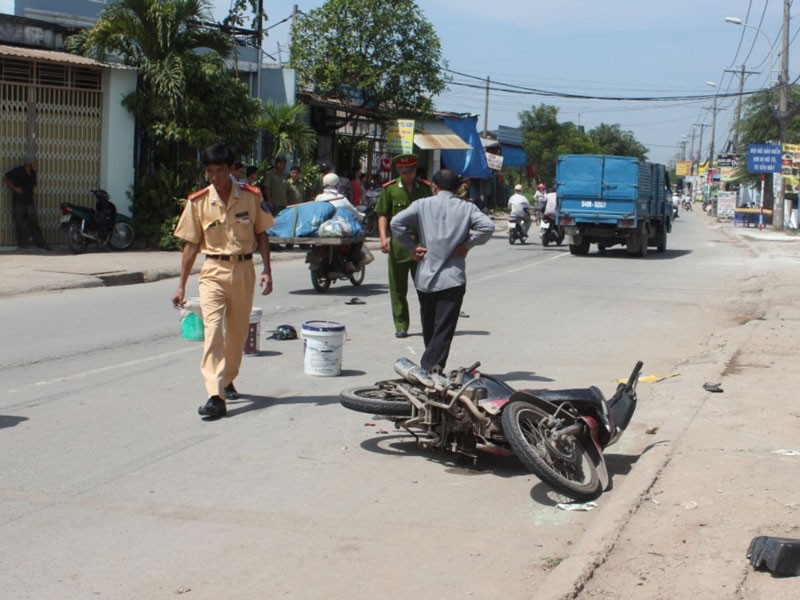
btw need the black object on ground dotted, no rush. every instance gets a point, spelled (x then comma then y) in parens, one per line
(779, 555)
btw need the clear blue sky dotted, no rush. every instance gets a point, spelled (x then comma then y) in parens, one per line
(616, 48)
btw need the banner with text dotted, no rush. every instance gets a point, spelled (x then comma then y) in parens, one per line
(763, 158)
(400, 136)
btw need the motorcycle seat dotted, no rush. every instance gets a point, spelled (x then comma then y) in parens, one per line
(590, 394)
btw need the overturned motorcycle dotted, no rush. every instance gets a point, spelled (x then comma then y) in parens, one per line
(559, 435)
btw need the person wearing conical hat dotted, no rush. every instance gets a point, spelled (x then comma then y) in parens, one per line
(397, 195)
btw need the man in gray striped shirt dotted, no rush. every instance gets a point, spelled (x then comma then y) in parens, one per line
(448, 228)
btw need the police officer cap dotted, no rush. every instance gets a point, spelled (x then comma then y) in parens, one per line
(405, 160)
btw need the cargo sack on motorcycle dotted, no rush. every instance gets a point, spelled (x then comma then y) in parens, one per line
(301, 220)
(192, 327)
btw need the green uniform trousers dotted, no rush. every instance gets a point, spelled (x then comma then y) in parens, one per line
(398, 290)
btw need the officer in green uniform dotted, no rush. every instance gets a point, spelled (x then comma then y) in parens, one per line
(396, 195)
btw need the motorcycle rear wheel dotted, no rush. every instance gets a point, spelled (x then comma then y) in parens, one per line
(566, 467)
(383, 398)
(122, 236)
(75, 240)
(370, 224)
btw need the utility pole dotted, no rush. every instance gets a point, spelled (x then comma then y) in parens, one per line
(738, 116)
(259, 58)
(486, 109)
(702, 126)
(691, 151)
(783, 115)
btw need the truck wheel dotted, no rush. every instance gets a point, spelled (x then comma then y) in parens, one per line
(643, 248)
(661, 243)
(581, 249)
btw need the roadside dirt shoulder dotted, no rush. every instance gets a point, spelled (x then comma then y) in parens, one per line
(724, 481)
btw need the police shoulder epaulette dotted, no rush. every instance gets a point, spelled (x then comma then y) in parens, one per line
(425, 181)
(198, 193)
(250, 188)
(390, 182)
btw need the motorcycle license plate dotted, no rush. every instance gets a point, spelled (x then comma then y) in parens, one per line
(65, 219)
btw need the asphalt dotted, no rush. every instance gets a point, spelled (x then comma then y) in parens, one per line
(39, 271)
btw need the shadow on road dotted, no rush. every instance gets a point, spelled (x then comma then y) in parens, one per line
(398, 444)
(10, 421)
(347, 290)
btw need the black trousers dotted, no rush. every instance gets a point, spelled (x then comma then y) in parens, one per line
(26, 224)
(439, 312)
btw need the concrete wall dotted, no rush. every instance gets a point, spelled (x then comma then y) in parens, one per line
(117, 161)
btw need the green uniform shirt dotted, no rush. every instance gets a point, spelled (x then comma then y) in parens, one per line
(276, 182)
(394, 198)
(295, 192)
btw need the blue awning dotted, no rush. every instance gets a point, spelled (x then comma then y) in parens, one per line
(467, 163)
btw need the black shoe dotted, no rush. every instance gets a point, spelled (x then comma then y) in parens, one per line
(230, 392)
(214, 408)
(401, 333)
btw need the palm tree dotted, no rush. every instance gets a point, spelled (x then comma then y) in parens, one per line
(157, 37)
(286, 125)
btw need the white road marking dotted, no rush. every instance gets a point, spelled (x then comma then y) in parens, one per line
(522, 268)
(130, 363)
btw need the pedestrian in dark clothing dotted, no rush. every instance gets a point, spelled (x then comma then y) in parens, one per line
(21, 181)
(447, 227)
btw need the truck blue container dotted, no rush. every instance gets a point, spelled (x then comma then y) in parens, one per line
(613, 200)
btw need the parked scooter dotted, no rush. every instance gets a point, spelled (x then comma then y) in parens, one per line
(102, 225)
(550, 232)
(560, 435)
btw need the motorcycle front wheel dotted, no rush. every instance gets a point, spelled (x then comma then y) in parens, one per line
(357, 277)
(122, 236)
(320, 282)
(383, 398)
(75, 240)
(562, 464)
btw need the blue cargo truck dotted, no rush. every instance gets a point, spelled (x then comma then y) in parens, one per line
(610, 200)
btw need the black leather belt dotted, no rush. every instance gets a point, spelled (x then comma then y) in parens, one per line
(230, 257)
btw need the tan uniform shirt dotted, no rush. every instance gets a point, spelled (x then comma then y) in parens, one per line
(220, 229)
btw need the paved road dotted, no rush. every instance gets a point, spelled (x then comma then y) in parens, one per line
(113, 487)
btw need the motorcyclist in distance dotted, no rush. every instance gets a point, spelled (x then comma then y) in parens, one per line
(539, 201)
(519, 208)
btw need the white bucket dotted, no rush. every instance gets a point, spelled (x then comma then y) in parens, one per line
(323, 342)
(251, 344)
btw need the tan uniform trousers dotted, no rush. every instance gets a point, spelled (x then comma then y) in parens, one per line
(226, 299)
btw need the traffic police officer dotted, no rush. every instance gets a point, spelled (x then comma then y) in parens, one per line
(226, 223)
(397, 195)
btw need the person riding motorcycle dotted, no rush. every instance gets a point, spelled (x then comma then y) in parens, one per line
(539, 201)
(519, 209)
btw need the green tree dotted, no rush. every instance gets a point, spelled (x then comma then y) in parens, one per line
(286, 126)
(610, 139)
(370, 53)
(759, 125)
(544, 138)
(185, 99)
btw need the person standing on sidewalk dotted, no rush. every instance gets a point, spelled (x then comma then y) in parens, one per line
(397, 195)
(21, 181)
(448, 228)
(225, 222)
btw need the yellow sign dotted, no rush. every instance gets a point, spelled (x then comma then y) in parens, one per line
(400, 137)
(683, 168)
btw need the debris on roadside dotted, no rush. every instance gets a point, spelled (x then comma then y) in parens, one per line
(778, 555)
(784, 452)
(585, 506)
